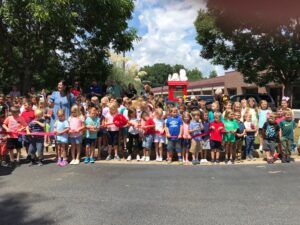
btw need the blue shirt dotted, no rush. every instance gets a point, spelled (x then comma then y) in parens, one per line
(193, 126)
(174, 124)
(34, 127)
(262, 117)
(92, 122)
(60, 126)
(95, 89)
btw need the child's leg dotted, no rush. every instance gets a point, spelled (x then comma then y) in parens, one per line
(73, 150)
(217, 154)
(87, 151)
(64, 151)
(157, 149)
(130, 144)
(232, 151)
(160, 150)
(78, 150)
(99, 141)
(212, 154)
(227, 150)
(59, 151)
(116, 150)
(11, 155)
(92, 151)
(18, 154)
(110, 150)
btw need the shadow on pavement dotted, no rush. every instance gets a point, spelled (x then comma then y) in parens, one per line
(16, 209)
(4, 171)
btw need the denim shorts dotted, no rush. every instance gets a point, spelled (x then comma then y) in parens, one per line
(186, 143)
(148, 141)
(75, 140)
(158, 138)
(174, 145)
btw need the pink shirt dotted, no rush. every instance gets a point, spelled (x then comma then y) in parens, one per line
(186, 133)
(109, 119)
(75, 124)
(14, 124)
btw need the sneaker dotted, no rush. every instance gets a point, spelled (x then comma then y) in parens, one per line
(228, 162)
(160, 159)
(117, 158)
(32, 163)
(76, 162)
(64, 163)
(147, 158)
(248, 158)
(58, 162)
(108, 158)
(4, 163)
(92, 160)
(194, 162)
(288, 159)
(217, 161)
(197, 161)
(180, 161)
(143, 158)
(40, 163)
(72, 162)
(232, 161)
(129, 158)
(138, 158)
(157, 159)
(86, 160)
(283, 160)
(202, 161)
(260, 149)
(252, 158)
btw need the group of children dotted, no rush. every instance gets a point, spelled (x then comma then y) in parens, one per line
(152, 124)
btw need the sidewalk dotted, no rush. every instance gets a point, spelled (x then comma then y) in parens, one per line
(259, 161)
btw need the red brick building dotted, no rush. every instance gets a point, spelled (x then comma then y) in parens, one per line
(231, 83)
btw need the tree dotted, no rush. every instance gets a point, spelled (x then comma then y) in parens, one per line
(157, 74)
(213, 74)
(259, 39)
(194, 74)
(46, 40)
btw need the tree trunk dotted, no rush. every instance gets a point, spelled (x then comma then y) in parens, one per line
(26, 80)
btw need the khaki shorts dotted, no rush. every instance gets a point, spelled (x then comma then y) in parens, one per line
(196, 146)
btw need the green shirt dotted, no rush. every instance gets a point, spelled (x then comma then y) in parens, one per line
(230, 125)
(287, 128)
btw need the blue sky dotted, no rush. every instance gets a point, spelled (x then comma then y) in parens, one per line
(168, 34)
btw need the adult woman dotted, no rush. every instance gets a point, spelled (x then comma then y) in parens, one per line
(61, 99)
(131, 91)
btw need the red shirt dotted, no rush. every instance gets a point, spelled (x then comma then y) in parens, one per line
(216, 134)
(150, 130)
(28, 116)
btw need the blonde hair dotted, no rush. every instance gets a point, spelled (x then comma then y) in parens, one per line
(60, 112)
(76, 108)
(227, 112)
(217, 114)
(235, 104)
(113, 106)
(104, 100)
(38, 113)
(159, 112)
(186, 114)
(196, 113)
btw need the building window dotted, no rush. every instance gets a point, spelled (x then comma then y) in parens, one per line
(231, 91)
(250, 90)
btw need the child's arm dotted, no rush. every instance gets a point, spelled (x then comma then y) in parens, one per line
(27, 130)
(40, 124)
(167, 132)
(180, 131)
(64, 131)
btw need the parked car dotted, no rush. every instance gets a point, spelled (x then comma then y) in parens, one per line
(258, 97)
(207, 98)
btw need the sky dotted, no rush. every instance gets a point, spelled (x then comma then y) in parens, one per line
(168, 34)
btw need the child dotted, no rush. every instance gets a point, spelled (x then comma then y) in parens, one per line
(231, 127)
(263, 113)
(61, 128)
(174, 134)
(195, 129)
(240, 134)
(14, 123)
(92, 124)
(253, 110)
(214, 108)
(216, 128)
(133, 134)
(270, 134)
(3, 147)
(113, 131)
(36, 143)
(149, 132)
(28, 115)
(76, 121)
(159, 138)
(186, 137)
(205, 138)
(287, 136)
(250, 130)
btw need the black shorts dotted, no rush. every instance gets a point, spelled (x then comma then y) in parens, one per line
(102, 132)
(215, 145)
(90, 142)
(13, 143)
(113, 137)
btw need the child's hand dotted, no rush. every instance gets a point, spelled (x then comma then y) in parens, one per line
(212, 127)
(220, 128)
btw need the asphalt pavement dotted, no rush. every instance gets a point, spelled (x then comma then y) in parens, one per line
(114, 194)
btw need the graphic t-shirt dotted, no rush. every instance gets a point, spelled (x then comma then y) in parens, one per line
(271, 131)
(174, 124)
(287, 128)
